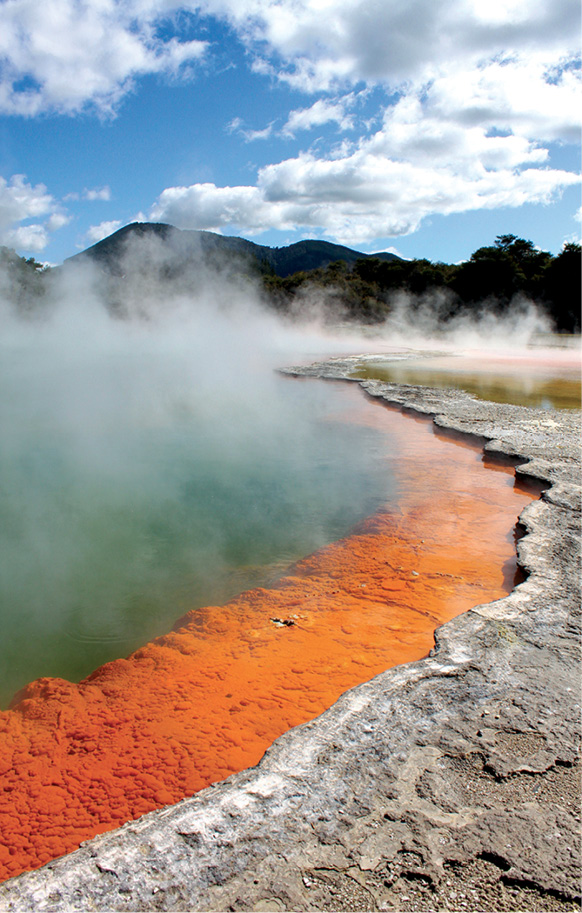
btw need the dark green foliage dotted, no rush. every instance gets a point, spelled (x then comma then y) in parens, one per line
(510, 266)
(562, 289)
(309, 255)
(489, 274)
(192, 245)
(345, 293)
(22, 282)
(494, 278)
(351, 285)
(414, 276)
(526, 258)
(147, 255)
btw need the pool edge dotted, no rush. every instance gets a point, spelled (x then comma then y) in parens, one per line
(341, 795)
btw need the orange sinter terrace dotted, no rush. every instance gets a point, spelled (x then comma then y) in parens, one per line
(208, 698)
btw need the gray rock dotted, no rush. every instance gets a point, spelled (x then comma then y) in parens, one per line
(452, 783)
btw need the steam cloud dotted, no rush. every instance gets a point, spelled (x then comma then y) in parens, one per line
(154, 461)
(152, 458)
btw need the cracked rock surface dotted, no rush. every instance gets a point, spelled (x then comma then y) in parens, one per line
(452, 783)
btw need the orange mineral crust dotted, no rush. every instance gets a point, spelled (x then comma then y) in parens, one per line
(209, 697)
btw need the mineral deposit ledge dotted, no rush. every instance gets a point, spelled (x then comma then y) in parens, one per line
(446, 784)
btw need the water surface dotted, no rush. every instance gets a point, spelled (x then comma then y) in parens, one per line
(120, 514)
(207, 698)
(533, 379)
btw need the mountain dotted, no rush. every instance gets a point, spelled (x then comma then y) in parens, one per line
(180, 247)
(306, 255)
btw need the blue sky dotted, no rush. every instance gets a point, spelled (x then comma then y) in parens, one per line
(418, 127)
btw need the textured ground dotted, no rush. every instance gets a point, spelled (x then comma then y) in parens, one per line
(206, 700)
(452, 783)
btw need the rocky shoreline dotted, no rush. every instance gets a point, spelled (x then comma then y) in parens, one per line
(452, 783)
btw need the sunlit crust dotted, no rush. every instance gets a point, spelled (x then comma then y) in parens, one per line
(208, 698)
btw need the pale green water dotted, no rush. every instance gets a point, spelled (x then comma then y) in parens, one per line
(524, 386)
(124, 504)
(147, 469)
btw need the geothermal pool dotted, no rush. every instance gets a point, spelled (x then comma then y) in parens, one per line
(548, 378)
(413, 529)
(117, 517)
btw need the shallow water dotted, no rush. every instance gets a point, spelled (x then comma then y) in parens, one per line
(539, 379)
(110, 531)
(209, 697)
(139, 489)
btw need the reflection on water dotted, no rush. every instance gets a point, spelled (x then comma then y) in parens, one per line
(533, 381)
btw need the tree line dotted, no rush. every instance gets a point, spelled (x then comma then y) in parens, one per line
(21, 280)
(493, 279)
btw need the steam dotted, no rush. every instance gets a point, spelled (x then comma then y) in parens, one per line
(152, 458)
(419, 320)
(157, 461)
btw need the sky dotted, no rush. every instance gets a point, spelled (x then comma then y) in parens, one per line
(419, 127)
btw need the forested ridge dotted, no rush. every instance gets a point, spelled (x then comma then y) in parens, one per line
(494, 279)
(21, 280)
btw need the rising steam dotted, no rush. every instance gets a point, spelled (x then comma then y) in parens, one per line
(152, 458)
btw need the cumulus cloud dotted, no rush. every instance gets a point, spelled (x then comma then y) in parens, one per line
(19, 200)
(97, 193)
(321, 112)
(103, 230)
(474, 92)
(72, 53)
(323, 43)
(57, 220)
(384, 188)
(91, 52)
(90, 194)
(537, 96)
(469, 94)
(22, 202)
(26, 237)
(211, 207)
(417, 131)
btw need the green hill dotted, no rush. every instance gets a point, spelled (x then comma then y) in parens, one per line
(192, 246)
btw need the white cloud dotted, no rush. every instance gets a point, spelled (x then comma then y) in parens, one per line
(323, 43)
(210, 207)
(90, 194)
(321, 112)
(103, 230)
(97, 193)
(473, 91)
(58, 220)
(27, 237)
(234, 125)
(265, 133)
(413, 131)
(482, 88)
(21, 202)
(81, 52)
(360, 197)
(538, 96)
(237, 126)
(71, 53)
